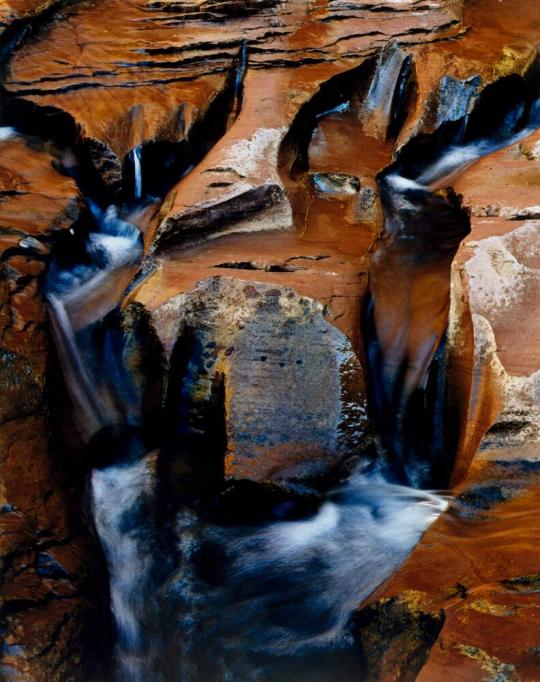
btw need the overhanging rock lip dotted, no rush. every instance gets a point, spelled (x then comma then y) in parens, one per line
(213, 216)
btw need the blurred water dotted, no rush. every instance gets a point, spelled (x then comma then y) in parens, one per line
(135, 156)
(119, 496)
(244, 599)
(205, 601)
(112, 245)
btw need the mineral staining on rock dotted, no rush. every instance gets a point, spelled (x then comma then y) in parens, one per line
(259, 341)
(313, 289)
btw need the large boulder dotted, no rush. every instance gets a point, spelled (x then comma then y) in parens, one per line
(285, 384)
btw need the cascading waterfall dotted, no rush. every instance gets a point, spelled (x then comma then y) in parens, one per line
(111, 245)
(265, 602)
(255, 602)
(117, 490)
(286, 585)
(424, 227)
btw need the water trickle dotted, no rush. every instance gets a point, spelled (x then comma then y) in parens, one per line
(338, 109)
(241, 72)
(136, 157)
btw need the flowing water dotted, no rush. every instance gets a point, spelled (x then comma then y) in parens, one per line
(135, 156)
(272, 600)
(423, 228)
(234, 600)
(196, 598)
(112, 245)
(118, 493)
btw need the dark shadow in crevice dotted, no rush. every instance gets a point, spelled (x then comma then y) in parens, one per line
(163, 162)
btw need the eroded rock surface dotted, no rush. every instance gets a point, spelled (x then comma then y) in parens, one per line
(468, 592)
(474, 571)
(277, 281)
(51, 572)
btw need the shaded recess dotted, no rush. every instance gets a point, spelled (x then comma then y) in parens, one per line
(163, 162)
(344, 91)
(99, 173)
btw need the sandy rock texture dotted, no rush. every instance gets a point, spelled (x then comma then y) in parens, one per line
(278, 291)
(53, 586)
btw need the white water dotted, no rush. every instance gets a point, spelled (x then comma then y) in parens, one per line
(284, 588)
(137, 172)
(290, 587)
(119, 490)
(115, 245)
(7, 133)
(360, 535)
(119, 493)
(456, 158)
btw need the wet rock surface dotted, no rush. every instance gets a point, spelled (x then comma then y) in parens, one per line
(328, 272)
(472, 579)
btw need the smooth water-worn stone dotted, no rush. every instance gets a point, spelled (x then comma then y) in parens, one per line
(263, 127)
(291, 400)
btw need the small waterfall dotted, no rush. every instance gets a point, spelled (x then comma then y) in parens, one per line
(423, 230)
(88, 408)
(120, 493)
(112, 245)
(383, 110)
(135, 156)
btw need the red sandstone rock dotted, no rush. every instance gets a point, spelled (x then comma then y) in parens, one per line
(156, 82)
(36, 200)
(465, 603)
(288, 204)
(46, 549)
(21, 10)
